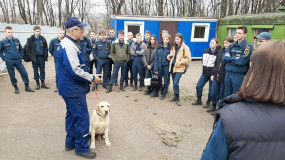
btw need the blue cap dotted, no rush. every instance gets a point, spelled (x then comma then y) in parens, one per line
(73, 21)
(263, 35)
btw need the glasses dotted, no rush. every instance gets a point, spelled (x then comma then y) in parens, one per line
(80, 29)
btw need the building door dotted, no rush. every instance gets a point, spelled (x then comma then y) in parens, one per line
(170, 26)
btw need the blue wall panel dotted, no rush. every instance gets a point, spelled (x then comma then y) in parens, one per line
(184, 27)
(196, 48)
(152, 26)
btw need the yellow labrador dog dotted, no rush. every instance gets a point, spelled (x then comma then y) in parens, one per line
(99, 123)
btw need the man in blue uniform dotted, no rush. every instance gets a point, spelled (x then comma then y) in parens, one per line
(85, 45)
(237, 59)
(92, 42)
(53, 45)
(73, 85)
(137, 51)
(130, 62)
(37, 51)
(101, 50)
(11, 52)
(112, 38)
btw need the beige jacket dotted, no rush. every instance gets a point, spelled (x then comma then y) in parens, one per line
(181, 61)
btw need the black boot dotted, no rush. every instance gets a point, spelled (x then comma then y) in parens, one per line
(109, 88)
(126, 84)
(177, 100)
(122, 87)
(207, 105)
(44, 85)
(197, 102)
(17, 91)
(38, 86)
(28, 89)
(140, 87)
(135, 86)
(215, 112)
(212, 109)
(131, 84)
(173, 99)
(88, 155)
(116, 83)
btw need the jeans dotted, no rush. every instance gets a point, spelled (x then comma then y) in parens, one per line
(200, 85)
(217, 92)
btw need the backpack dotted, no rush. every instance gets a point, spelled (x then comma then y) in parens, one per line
(26, 57)
(155, 82)
(187, 65)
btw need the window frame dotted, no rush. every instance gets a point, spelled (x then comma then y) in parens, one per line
(133, 23)
(229, 30)
(206, 35)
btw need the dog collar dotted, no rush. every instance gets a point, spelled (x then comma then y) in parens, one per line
(98, 114)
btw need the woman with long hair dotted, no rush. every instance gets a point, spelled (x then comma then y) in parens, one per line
(208, 64)
(251, 126)
(218, 77)
(179, 57)
(148, 60)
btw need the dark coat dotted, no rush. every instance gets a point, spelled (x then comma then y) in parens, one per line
(219, 70)
(30, 48)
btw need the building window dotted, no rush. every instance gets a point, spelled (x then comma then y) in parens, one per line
(200, 32)
(257, 31)
(134, 27)
(232, 31)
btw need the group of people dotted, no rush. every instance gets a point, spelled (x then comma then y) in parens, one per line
(137, 60)
(224, 68)
(250, 126)
(35, 50)
(230, 70)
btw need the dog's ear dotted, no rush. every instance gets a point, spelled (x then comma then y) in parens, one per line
(97, 109)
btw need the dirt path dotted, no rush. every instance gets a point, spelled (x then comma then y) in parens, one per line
(32, 124)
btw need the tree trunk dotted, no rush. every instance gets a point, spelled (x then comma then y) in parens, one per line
(59, 13)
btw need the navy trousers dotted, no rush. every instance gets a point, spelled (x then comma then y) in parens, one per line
(103, 64)
(138, 69)
(40, 63)
(93, 63)
(200, 85)
(11, 65)
(129, 69)
(117, 66)
(77, 124)
(217, 92)
(233, 82)
(166, 79)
